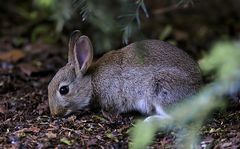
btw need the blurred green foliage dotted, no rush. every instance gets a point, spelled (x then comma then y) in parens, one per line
(59, 11)
(110, 19)
(107, 20)
(223, 58)
(190, 115)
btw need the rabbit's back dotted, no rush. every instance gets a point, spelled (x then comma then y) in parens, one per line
(144, 74)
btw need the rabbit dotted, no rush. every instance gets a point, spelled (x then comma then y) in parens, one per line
(146, 76)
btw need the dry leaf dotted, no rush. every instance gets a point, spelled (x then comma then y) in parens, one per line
(12, 56)
(31, 129)
(3, 108)
(92, 142)
(28, 69)
(180, 35)
(42, 107)
(51, 135)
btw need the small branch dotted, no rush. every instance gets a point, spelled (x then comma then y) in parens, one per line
(180, 5)
(166, 9)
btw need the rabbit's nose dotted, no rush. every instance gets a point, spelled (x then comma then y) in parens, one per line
(57, 111)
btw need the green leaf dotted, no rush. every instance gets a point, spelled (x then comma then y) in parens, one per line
(45, 3)
(166, 32)
(65, 141)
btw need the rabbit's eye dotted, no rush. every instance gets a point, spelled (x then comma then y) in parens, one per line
(64, 90)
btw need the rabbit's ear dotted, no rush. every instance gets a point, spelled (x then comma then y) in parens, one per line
(73, 38)
(83, 54)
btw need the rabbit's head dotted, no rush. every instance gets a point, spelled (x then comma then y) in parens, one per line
(70, 89)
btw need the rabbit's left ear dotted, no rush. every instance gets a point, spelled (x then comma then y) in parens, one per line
(82, 54)
(75, 35)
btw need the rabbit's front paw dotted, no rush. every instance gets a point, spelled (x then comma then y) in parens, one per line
(154, 118)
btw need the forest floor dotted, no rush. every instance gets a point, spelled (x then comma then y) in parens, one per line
(25, 120)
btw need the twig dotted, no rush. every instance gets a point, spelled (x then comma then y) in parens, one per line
(166, 9)
(173, 7)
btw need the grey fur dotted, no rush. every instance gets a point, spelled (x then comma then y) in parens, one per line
(146, 76)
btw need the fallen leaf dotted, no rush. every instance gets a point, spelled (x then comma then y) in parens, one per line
(42, 107)
(99, 118)
(112, 137)
(31, 129)
(65, 141)
(181, 35)
(226, 144)
(71, 118)
(92, 142)
(12, 56)
(28, 69)
(3, 108)
(51, 135)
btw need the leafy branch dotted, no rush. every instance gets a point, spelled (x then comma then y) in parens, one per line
(127, 30)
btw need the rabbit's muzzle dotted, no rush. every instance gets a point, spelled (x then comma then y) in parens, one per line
(56, 109)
